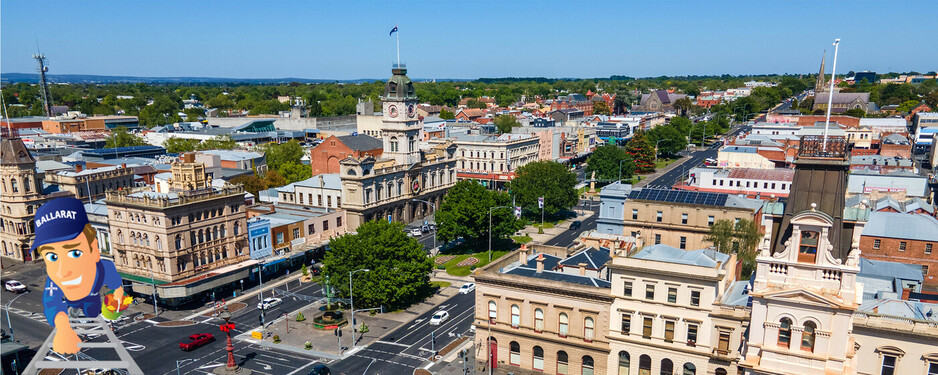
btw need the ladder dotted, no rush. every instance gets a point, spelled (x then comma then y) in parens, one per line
(85, 326)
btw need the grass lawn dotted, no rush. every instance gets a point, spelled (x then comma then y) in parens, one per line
(440, 284)
(454, 269)
(664, 162)
(523, 239)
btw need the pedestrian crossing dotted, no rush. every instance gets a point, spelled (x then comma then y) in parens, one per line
(28, 314)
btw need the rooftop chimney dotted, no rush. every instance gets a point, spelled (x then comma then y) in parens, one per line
(540, 263)
(188, 157)
(582, 269)
(523, 254)
(78, 168)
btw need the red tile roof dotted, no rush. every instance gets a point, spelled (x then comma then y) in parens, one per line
(777, 174)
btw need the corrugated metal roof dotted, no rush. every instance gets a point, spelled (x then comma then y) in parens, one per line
(902, 226)
(668, 254)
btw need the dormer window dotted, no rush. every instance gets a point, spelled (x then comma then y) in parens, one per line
(807, 250)
(392, 87)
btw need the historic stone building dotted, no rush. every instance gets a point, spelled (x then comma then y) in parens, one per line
(531, 317)
(22, 194)
(98, 180)
(658, 101)
(178, 237)
(391, 186)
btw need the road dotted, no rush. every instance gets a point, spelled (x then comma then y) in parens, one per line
(409, 346)
(697, 158)
(566, 238)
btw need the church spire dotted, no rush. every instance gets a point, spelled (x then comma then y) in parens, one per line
(819, 83)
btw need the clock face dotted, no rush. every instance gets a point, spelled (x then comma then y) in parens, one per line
(411, 111)
(392, 110)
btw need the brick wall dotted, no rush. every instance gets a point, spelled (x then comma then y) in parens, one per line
(914, 253)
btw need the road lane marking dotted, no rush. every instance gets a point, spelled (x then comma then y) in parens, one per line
(391, 343)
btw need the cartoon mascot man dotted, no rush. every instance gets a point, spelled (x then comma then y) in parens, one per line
(67, 243)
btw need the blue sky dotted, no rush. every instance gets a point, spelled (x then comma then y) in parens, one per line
(464, 39)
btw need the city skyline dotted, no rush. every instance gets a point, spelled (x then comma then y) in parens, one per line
(287, 39)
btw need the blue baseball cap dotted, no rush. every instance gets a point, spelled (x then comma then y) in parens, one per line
(60, 219)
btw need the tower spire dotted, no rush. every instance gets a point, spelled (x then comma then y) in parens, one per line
(819, 82)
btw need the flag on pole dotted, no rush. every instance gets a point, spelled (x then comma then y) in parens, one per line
(394, 30)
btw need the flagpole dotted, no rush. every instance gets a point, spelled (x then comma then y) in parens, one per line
(397, 35)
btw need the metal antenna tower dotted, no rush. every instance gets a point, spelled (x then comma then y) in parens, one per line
(43, 83)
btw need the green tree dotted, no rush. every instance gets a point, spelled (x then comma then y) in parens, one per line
(605, 161)
(280, 154)
(683, 105)
(682, 124)
(642, 152)
(120, 137)
(446, 115)
(601, 108)
(177, 145)
(465, 213)
(193, 114)
(547, 179)
(273, 178)
(855, 112)
(221, 142)
(721, 235)
(294, 172)
(251, 183)
(748, 234)
(907, 106)
(399, 267)
(504, 123)
(476, 103)
(672, 140)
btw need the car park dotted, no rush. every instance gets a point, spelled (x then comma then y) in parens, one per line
(438, 318)
(196, 340)
(467, 288)
(269, 303)
(14, 286)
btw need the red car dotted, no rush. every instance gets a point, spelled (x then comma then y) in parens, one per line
(196, 341)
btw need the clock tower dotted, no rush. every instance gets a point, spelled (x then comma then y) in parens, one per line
(401, 127)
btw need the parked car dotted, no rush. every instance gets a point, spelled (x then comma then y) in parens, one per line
(438, 318)
(467, 288)
(196, 340)
(14, 286)
(432, 226)
(269, 303)
(576, 224)
(320, 369)
(425, 228)
(416, 232)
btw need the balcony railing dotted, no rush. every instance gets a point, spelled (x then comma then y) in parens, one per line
(812, 146)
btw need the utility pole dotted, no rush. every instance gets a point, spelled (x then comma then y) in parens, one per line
(434, 212)
(9, 323)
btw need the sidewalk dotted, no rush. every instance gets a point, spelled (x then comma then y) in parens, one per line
(325, 344)
(557, 230)
(653, 176)
(453, 364)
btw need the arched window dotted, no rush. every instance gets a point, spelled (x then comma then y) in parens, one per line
(120, 237)
(515, 316)
(514, 353)
(588, 326)
(807, 336)
(201, 236)
(587, 365)
(689, 369)
(720, 371)
(393, 143)
(667, 367)
(3, 183)
(564, 325)
(410, 144)
(624, 362)
(562, 363)
(493, 311)
(215, 233)
(351, 172)
(222, 231)
(538, 358)
(146, 239)
(133, 237)
(644, 364)
(538, 320)
(159, 245)
(14, 186)
(784, 333)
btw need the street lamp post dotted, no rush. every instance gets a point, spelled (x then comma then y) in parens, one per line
(153, 285)
(181, 362)
(9, 323)
(490, 230)
(352, 301)
(656, 149)
(434, 212)
(620, 168)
